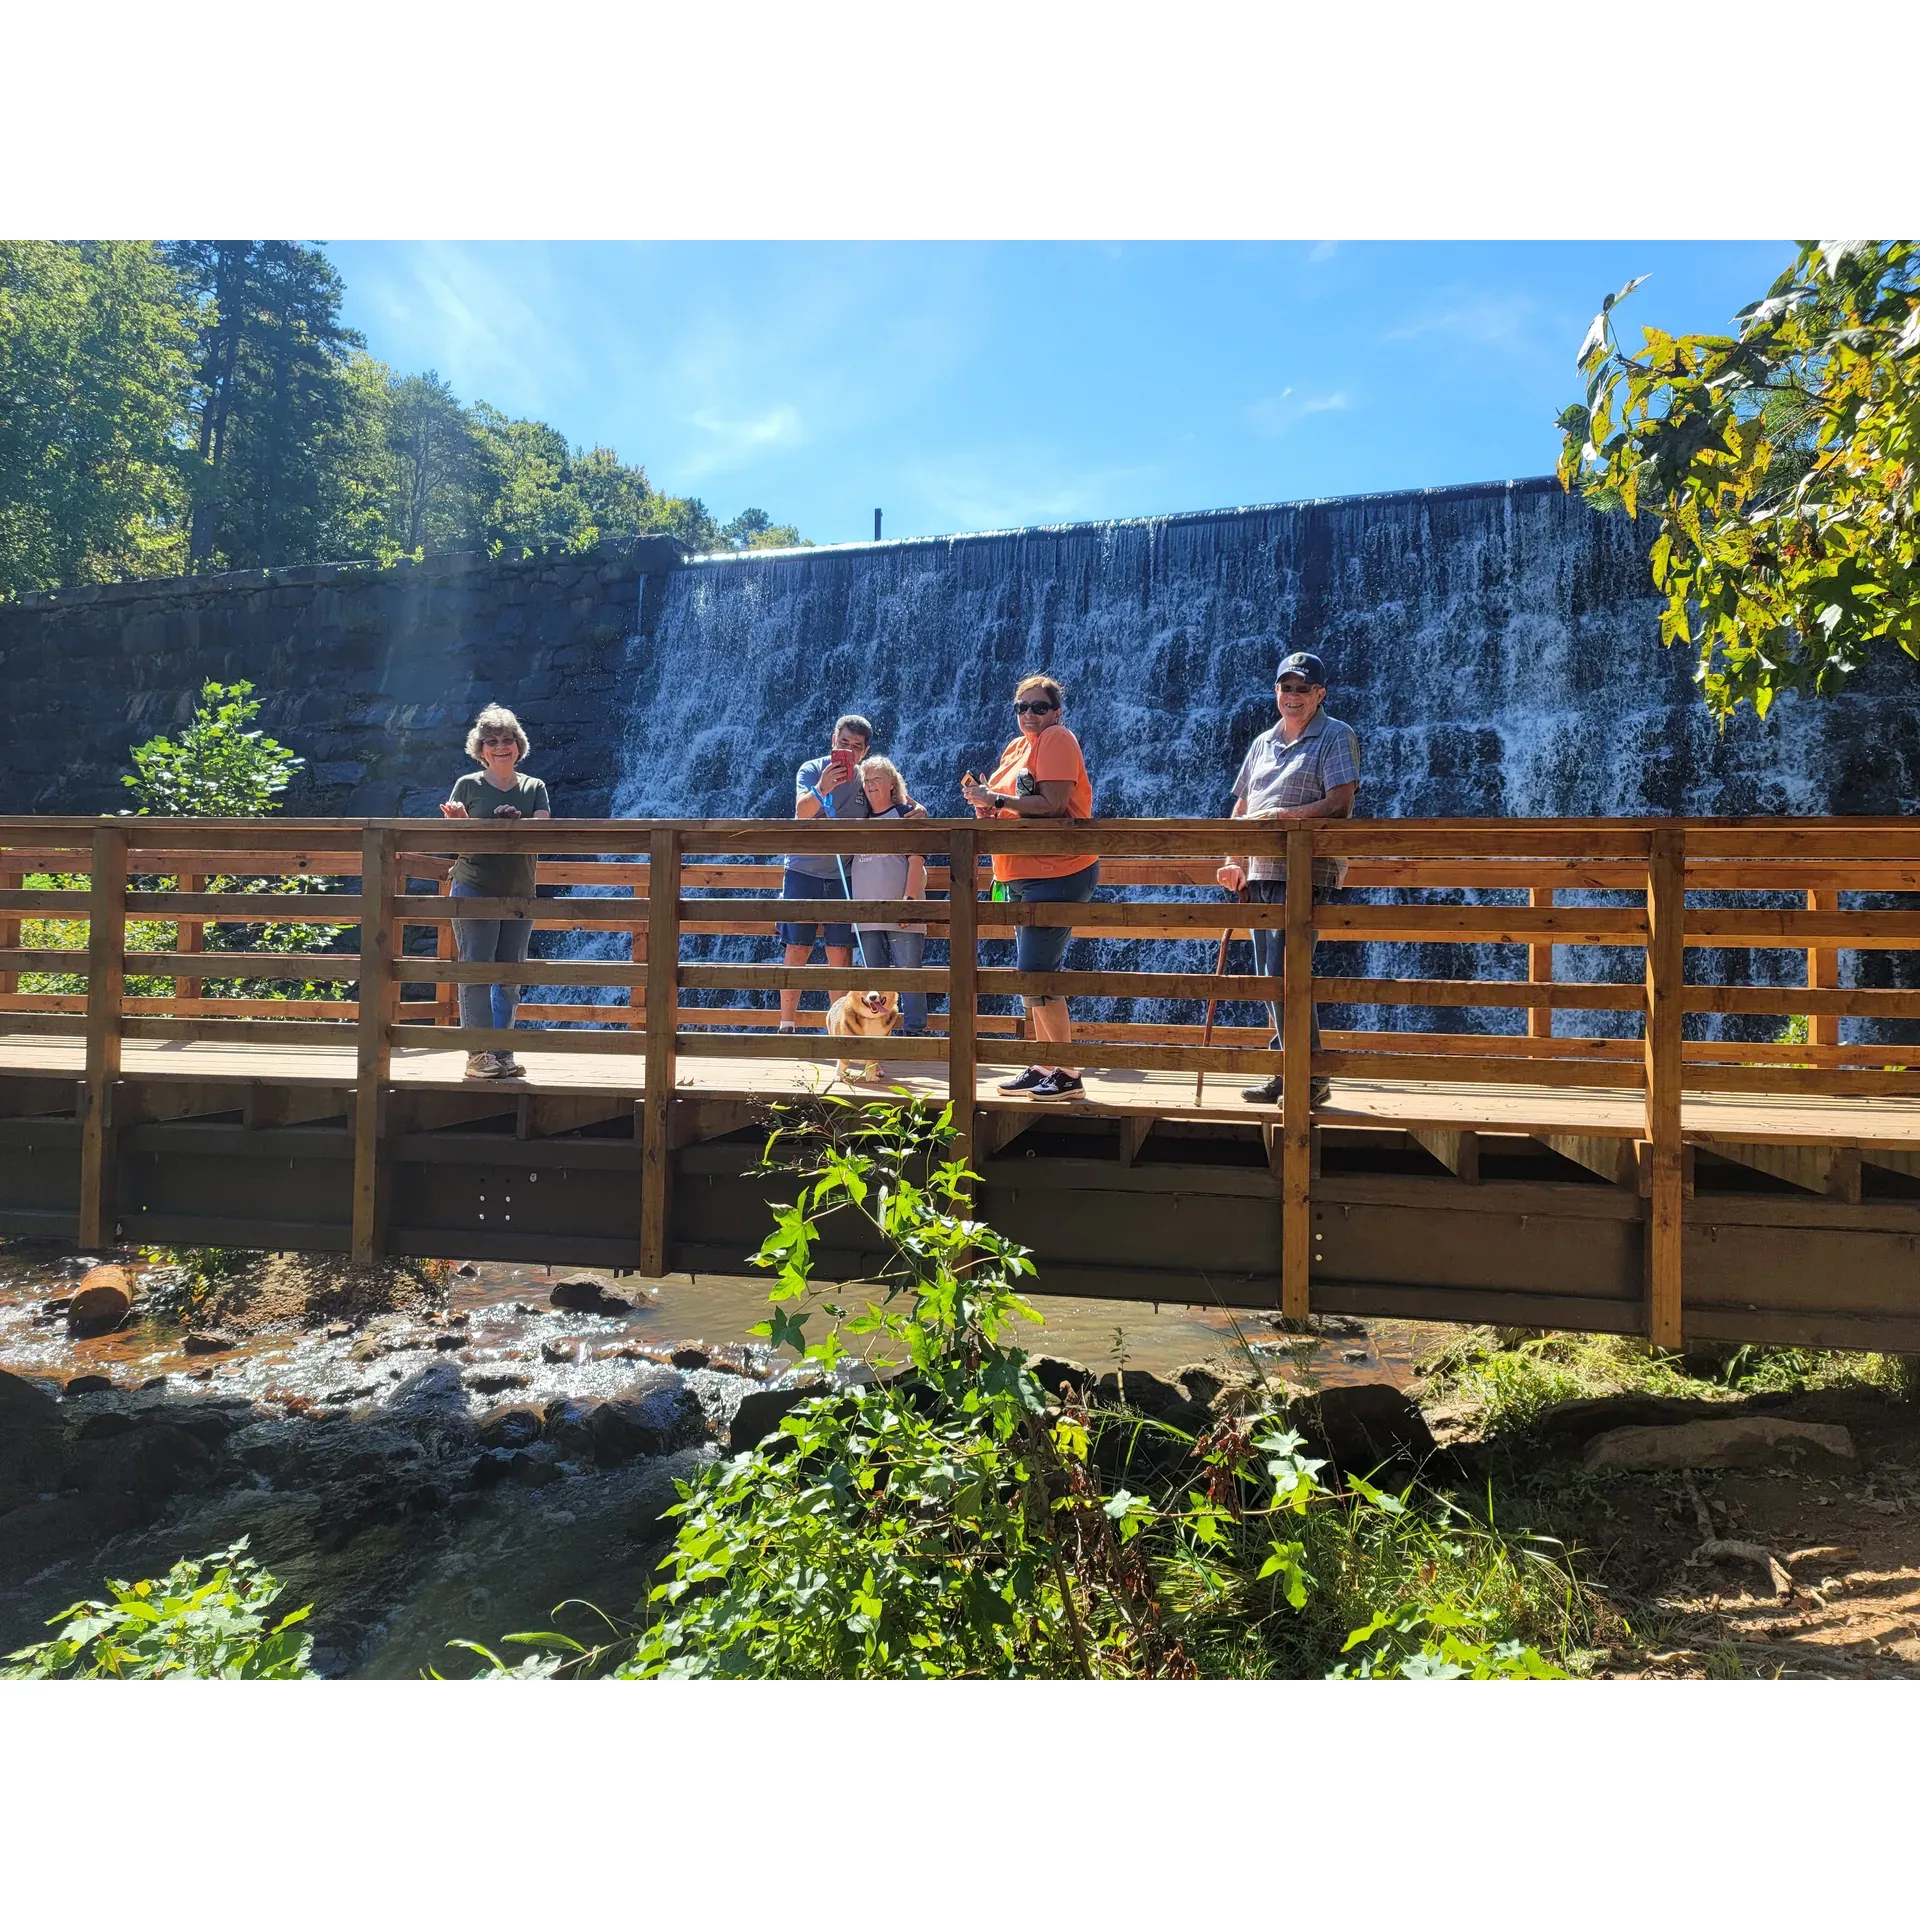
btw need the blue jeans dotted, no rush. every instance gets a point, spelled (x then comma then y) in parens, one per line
(1270, 948)
(1042, 949)
(496, 942)
(893, 947)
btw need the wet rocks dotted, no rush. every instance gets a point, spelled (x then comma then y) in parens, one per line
(450, 1342)
(1149, 1395)
(760, 1413)
(511, 1428)
(691, 1359)
(103, 1301)
(1365, 1428)
(88, 1383)
(209, 1340)
(30, 1442)
(561, 1353)
(1201, 1385)
(567, 1429)
(661, 1418)
(1057, 1375)
(498, 1382)
(584, 1294)
(1752, 1440)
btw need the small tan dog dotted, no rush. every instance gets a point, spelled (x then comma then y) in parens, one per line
(863, 1016)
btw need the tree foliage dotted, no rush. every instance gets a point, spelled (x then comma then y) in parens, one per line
(94, 346)
(202, 406)
(1781, 462)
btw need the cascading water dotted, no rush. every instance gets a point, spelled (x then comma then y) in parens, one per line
(1495, 646)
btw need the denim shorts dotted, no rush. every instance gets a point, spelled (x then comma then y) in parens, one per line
(803, 933)
(1042, 949)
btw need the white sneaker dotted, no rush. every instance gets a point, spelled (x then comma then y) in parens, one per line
(506, 1067)
(483, 1066)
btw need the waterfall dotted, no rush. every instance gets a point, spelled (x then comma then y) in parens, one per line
(1496, 647)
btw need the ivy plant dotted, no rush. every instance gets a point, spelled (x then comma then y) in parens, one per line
(1780, 463)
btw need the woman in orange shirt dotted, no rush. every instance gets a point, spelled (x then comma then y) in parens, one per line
(1041, 777)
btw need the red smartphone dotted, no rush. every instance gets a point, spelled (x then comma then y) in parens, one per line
(842, 758)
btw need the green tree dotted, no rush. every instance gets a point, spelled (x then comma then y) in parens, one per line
(616, 495)
(754, 528)
(435, 457)
(94, 340)
(526, 496)
(1781, 464)
(276, 434)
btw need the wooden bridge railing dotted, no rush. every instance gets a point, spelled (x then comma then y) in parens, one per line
(1678, 878)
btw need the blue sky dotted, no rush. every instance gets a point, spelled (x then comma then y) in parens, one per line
(964, 386)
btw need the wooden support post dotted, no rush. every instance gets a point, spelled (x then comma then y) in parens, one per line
(190, 937)
(1823, 970)
(379, 878)
(1612, 1158)
(446, 995)
(1296, 1115)
(1540, 969)
(663, 1003)
(963, 1006)
(106, 982)
(1457, 1151)
(1133, 1136)
(1666, 956)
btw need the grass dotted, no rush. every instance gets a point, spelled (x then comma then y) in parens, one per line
(1511, 1377)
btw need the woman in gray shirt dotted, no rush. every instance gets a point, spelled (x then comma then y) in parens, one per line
(891, 876)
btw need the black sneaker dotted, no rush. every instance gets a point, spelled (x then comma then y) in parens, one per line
(1319, 1092)
(1060, 1085)
(1025, 1080)
(1266, 1094)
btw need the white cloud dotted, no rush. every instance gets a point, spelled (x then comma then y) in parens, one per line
(1282, 411)
(1483, 320)
(733, 442)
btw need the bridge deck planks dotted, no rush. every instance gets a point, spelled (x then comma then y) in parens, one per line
(1763, 1119)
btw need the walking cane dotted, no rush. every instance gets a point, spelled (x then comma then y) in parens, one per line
(1206, 1038)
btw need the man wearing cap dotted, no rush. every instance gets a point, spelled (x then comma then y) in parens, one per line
(1306, 768)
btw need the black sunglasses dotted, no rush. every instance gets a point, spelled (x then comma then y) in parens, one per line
(1293, 686)
(1034, 706)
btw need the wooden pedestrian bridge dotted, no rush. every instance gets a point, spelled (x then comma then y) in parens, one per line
(1661, 1181)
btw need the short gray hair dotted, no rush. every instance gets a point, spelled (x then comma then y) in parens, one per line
(497, 719)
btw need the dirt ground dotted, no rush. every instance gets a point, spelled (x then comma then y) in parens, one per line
(1846, 1537)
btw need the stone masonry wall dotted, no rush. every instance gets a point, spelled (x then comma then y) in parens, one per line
(373, 675)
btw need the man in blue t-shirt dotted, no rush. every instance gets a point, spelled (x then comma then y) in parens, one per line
(832, 787)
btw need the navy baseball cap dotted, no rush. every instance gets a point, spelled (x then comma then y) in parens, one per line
(1307, 665)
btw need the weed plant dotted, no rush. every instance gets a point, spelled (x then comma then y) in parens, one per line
(956, 1520)
(207, 1620)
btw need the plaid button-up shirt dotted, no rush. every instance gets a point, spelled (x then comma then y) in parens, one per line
(1277, 774)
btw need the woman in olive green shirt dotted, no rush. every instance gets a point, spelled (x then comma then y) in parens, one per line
(498, 792)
